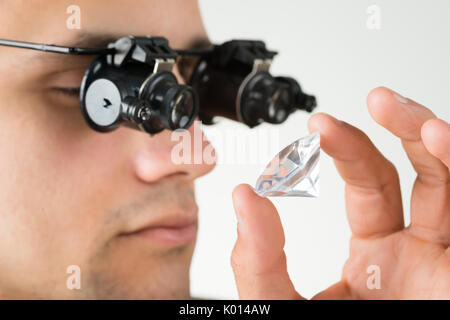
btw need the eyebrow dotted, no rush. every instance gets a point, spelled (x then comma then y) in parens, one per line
(199, 43)
(92, 40)
(95, 44)
(91, 44)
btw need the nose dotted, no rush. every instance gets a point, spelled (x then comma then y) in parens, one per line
(168, 153)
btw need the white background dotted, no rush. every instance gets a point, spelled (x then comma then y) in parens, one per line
(326, 45)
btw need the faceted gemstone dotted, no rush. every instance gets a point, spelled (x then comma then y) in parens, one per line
(294, 171)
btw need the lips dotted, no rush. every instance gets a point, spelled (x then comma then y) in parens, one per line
(170, 236)
(172, 231)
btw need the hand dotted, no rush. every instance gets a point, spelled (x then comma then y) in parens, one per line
(414, 261)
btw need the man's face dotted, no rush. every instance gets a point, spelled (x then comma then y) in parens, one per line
(113, 204)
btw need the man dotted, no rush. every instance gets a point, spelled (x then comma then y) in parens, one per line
(112, 204)
(117, 207)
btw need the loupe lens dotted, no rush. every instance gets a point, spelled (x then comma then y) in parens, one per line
(301, 100)
(251, 99)
(265, 99)
(175, 104)
(279, 105)
(182, 109)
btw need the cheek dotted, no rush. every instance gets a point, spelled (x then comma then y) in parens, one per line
(56, 186)
(89, 173)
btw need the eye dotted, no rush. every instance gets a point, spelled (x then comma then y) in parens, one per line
(186, 66)
(69, 91)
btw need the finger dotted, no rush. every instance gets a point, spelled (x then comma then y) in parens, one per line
(373, 199)
(338, 291)
(258, 258)
(430, 196)
(436, 138)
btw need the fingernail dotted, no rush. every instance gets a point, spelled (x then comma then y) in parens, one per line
(315, 126)
(240, 222)
(238, 219)
(399, 97)
(338, 122)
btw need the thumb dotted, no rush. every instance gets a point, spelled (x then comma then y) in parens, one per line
(258, 258)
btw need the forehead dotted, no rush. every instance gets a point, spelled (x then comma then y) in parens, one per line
(177, 20)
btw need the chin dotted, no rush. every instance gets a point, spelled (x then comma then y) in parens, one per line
(127, 271)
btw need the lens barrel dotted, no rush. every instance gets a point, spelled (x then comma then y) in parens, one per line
(234, 82)
(251, 98)
(133, 96)
(263, 99)
(301, 100)
(176, 105)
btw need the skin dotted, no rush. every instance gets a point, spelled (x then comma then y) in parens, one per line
(67, 193)
(414, 261)
(71, 196)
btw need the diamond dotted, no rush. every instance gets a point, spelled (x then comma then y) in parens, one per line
(294, 171)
